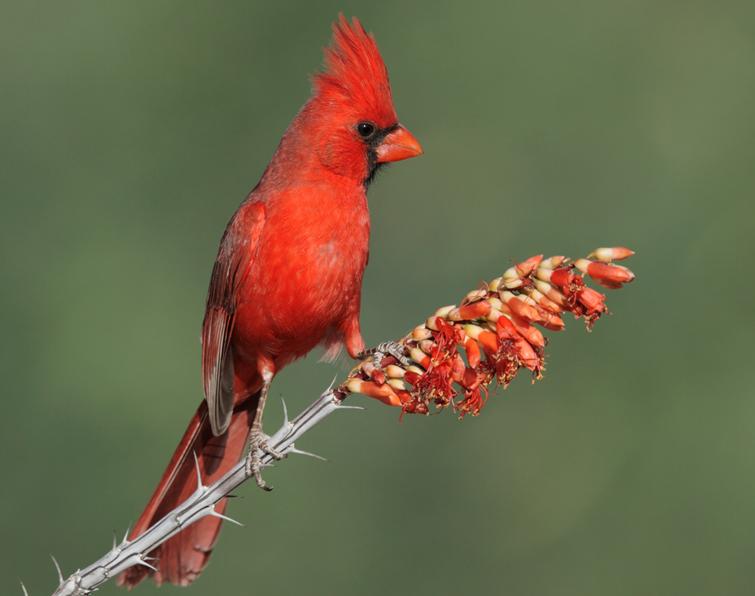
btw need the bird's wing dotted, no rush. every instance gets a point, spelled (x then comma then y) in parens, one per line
(235, 257)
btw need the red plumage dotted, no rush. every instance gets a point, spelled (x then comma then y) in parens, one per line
(287, 277)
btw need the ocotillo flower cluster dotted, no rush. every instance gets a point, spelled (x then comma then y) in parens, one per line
(452, 358)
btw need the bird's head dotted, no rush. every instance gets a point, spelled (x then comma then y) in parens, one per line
(358, 129)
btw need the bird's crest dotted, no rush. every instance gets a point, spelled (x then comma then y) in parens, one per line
(355, 73)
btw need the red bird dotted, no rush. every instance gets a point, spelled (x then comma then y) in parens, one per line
(287, 278)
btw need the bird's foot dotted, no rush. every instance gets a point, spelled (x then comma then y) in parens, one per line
(387, 348)
(258, 447)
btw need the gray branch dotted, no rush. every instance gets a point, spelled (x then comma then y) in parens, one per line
(200, 504)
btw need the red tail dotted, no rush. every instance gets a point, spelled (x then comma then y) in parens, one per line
(181, 559)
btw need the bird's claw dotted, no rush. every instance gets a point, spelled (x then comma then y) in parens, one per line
(387, 348)
(258, 446)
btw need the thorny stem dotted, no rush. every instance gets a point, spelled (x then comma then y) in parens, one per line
(200, 504)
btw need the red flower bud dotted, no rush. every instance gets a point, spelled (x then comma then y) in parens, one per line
(563, 278)
(411, 377)
(593, 301)
(525, 268)
(528, 332)
(488, 341)
(612, 276)
(523, 310)
(476, 310)
(552, 321)
(384, 393)
(614, 253)
(473, 352)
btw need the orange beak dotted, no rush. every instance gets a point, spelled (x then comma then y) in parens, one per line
(398, 145)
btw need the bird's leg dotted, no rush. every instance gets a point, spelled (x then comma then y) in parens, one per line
(257, 444)
(387, 348)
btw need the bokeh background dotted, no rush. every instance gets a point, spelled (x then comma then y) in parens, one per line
(132, 130)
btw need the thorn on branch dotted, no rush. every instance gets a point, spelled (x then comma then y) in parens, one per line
(141, 560)
(343, 407)
(332, 384)
(125, 536)
(214, 513)
(296, 451)
(57, 568)
(200, 484)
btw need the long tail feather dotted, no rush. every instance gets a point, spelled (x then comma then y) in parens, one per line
(181, 559)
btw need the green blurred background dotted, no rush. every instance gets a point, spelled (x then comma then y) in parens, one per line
(132, 130)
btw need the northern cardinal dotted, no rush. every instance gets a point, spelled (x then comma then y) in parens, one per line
(287, 278)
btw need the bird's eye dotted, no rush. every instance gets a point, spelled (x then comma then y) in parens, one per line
(366, 129)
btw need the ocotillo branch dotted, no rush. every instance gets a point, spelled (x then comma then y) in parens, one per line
(448, 361)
